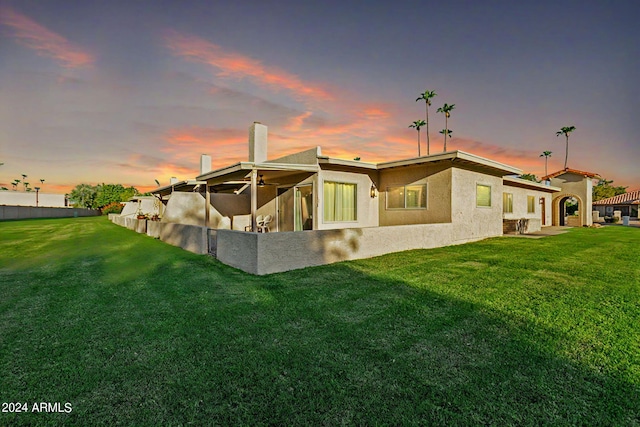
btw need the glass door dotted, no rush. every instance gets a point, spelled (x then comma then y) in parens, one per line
(303, 207)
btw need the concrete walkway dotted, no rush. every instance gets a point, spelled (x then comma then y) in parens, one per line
(546, 231)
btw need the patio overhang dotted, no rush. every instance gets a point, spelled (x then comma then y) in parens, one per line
(183, 186)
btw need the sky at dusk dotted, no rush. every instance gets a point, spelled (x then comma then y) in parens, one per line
(133, 91)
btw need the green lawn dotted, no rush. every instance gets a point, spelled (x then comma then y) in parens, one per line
(132, 331)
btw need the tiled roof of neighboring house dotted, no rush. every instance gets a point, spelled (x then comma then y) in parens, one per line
(629, 198)
(574, 171)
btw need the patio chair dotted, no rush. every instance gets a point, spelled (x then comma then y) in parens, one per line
(264, 226)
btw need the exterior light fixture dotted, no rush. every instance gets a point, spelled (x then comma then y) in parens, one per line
(37, 191)
(374, 191)
(261, 181)
(541, 201)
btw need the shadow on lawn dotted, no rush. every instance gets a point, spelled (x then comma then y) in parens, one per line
(189, 340)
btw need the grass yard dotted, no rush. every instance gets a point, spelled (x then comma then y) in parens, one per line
(131, 331)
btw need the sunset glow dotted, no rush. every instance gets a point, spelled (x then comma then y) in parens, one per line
(99, 92)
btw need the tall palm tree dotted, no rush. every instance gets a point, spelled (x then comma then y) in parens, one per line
(427, 95)
(418, 124)
(566, 131)
(447, 131)
(23, 183)
(546, 155)
(15, 184)
(446, 109)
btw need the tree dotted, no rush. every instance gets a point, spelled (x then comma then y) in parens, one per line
(113, 193)
(529, 177)
(427, 95)
(418, 124)
(446, 109)
(15, 184)
(24, 183)
(603, 190)
(546, 155)
(566, 131)
(448, 131)
(83, 195)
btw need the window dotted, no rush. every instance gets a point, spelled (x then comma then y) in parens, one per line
(531, 204)
(507, 202)
(407, 197)
(340, 201)
(483, 195)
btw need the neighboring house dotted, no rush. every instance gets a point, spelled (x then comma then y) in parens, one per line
(626, 203)
(319, 209)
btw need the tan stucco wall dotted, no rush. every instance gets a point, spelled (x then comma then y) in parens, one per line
(471, 222)
(520, 206)
(577, 186)
(188, 208)
(147, 206)
(265, 253)
(438, 180)
(192, 238)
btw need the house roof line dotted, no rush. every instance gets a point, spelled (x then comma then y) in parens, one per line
(574, 171)
(453, 156)
(628, 198)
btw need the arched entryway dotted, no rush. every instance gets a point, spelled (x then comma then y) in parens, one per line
(562, 206)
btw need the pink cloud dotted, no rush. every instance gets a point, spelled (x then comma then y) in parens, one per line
(30, 34)
(231, 64)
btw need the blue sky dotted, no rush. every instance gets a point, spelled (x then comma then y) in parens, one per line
(129, 92)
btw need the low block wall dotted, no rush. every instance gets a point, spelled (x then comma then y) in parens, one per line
(192, 238)
(31, 212)
(265, 253)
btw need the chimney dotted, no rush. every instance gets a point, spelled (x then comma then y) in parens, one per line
(173, 180)
(205, 164)
(257, 143)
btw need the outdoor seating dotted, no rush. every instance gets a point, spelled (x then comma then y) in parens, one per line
(263, 226)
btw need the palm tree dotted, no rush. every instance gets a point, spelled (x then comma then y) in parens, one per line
(427, 95)
(15, 184)
(418, 124)
(546, 155)
(566, 131)
(23, 183)
(446, 109)
(448, 132)
(41, 181)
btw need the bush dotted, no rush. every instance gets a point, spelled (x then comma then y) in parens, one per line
(113, 207)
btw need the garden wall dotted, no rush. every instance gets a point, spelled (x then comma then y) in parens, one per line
(31, 212)
(265, 253)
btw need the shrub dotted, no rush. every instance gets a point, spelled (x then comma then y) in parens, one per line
(113, 207)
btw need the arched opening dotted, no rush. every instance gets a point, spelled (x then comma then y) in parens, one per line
(568, 209)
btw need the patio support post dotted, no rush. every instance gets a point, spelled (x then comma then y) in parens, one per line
(254, 199)
(207, 198)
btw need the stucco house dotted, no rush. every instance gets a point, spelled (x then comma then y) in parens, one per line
(319, 209)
